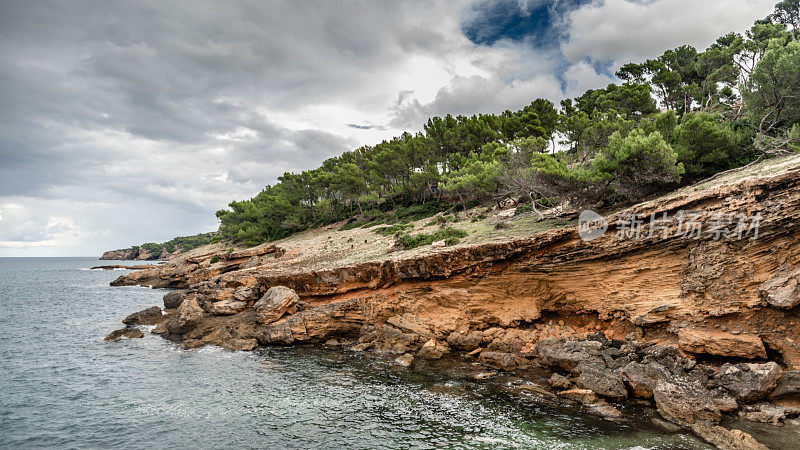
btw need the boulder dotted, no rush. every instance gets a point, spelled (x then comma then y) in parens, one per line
(277, 302)
(149, 316)
(227, 307)
(684, 401)
(782, 291)
(581, 395)
(173, 299)
(568, 354)
(558, 381)
(466, 341)
(769, 413)
(788, 385)
(602, 381)
(641, 379)
(726, 439)
(129, 333)
(433, 349)
(721, 343)
(405, 359)
(245, 294)
(502, 361)
(749, 382)
(185, 317)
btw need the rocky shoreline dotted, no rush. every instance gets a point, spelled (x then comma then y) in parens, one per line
(700, 329)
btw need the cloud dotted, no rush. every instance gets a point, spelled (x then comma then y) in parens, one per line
(125, 122)
(629, 31)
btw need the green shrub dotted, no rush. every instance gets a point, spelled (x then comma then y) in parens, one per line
(392, 229)
(214, 259)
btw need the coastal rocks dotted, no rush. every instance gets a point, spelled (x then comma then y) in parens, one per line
(387, 338)
(767, 413)
(238, 345)
(788, 385)
(149, 316)
(749, 382)
(412, 324)
(277, 302)
(641, 378)
(721, 343)
(433, 349)
(558, 381)
(568, 354)
(684, 401)
(782, 291)
(188, 314)
(227, 307)
(174, 299)
(582, 395)
(602, 381)
(245, 294)
(726, 439)
(129, 333)
(463, 340)
(502, 361)
(404, 360)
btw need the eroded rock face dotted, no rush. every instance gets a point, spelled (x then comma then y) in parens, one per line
(465, 340)
(749, 382)
(721, 343)
(277, 302)
(685, 401)
(149, 316)
(188, 314)
(782, 291)
(642, 379)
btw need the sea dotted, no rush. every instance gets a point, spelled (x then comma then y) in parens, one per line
(63, 386)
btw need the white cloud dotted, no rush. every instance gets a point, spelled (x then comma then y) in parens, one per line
(627, 31)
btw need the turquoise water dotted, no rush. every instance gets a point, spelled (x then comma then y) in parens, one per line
(62, 386)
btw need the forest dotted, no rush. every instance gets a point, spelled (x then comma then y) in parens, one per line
(671, 121)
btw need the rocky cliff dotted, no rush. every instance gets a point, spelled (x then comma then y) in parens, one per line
(689, 300)
(134, 253)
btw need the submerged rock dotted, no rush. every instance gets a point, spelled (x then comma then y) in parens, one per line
(128, 333)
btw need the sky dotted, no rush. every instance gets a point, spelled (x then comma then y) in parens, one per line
(124, 122)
